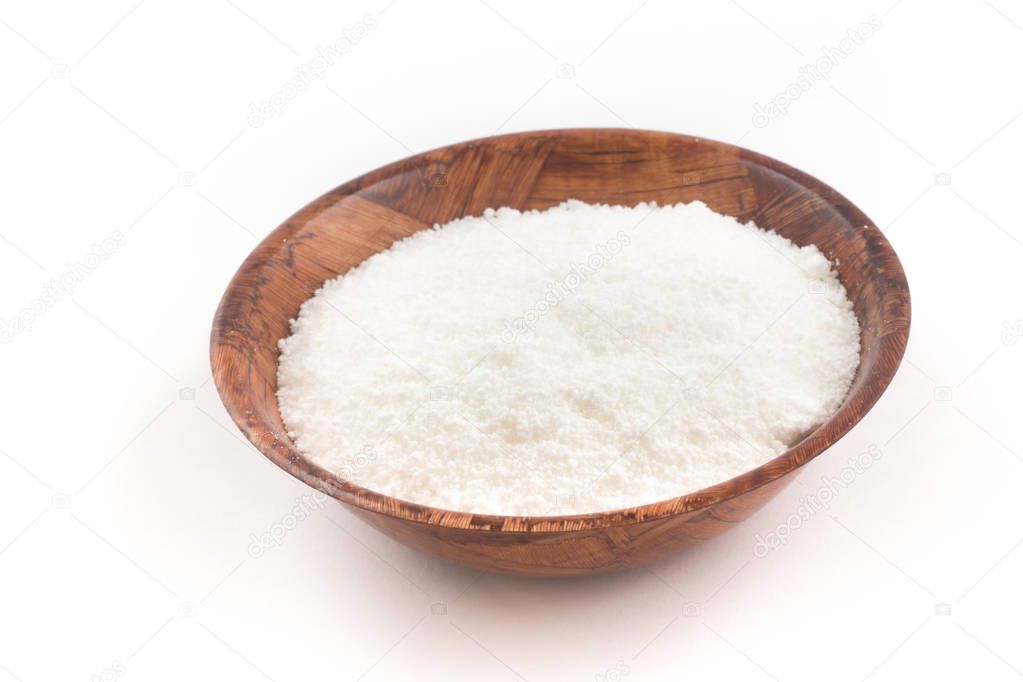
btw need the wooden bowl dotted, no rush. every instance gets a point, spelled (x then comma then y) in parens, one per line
(537, 170)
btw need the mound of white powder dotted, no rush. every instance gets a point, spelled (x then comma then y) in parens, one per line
(578, 359)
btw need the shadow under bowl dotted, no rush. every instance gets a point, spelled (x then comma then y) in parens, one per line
(537, 170)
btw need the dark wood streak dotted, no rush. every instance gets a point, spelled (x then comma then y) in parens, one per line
(536, 170)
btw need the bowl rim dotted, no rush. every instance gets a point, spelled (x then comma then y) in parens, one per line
(856, 404)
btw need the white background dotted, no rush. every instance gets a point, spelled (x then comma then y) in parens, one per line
(128, 505)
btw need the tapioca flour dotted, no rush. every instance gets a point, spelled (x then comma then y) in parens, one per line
(577, 359)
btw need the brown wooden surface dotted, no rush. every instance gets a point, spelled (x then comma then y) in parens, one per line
(538, 170)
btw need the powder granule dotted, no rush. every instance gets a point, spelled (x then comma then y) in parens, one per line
(577, 359)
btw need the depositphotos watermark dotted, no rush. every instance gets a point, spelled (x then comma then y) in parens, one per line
(114, 671)
(308, 73)
(559, 289)
(1012, 332)
(615, 673)
(54, 290)
(818, 70)
(304, 507)
(816, 502)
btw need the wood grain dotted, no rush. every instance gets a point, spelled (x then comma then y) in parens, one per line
(538, 170)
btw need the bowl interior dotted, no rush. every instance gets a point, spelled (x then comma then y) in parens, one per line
(534, 171)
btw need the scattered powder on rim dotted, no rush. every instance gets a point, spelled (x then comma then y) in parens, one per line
(573, 360)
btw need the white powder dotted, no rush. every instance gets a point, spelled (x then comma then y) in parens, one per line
(573, 360)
